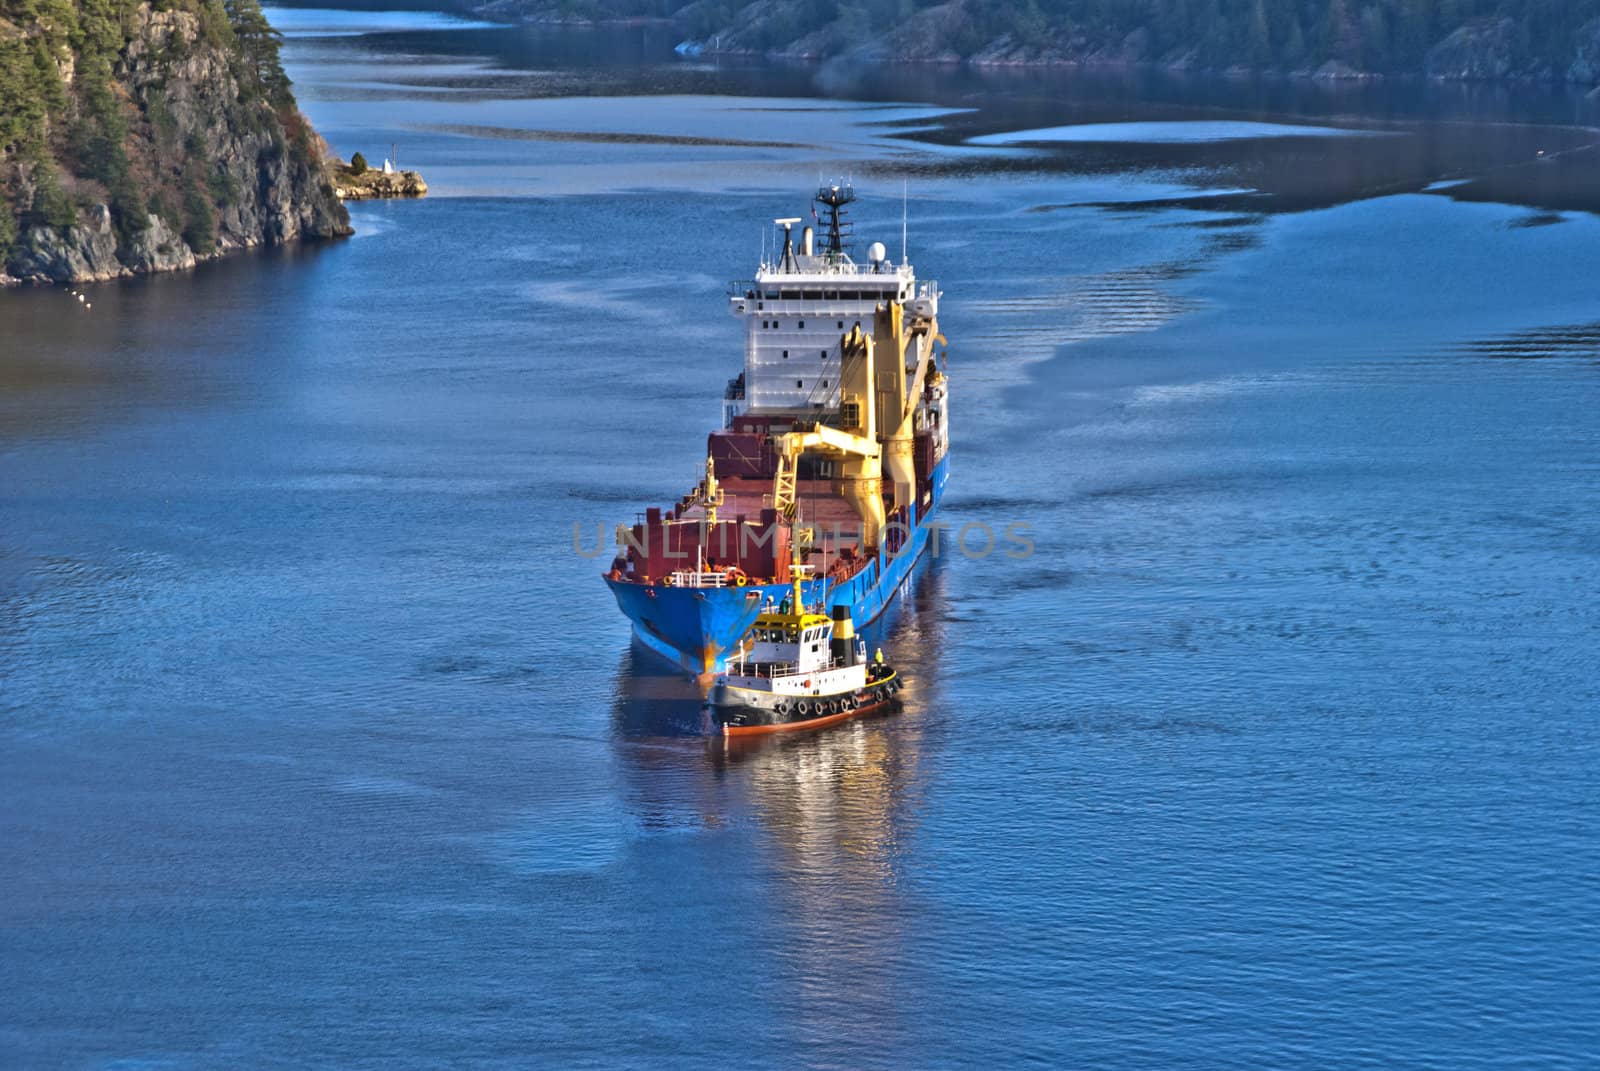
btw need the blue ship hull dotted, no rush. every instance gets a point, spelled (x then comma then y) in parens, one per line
(697, 628)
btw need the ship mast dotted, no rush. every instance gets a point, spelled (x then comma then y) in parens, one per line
(833, 199)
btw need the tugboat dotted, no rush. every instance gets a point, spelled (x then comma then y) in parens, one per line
(800, 670)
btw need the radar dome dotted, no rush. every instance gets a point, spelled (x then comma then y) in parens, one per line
(876, 253)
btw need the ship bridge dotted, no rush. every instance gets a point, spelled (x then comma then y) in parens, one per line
(799, 306)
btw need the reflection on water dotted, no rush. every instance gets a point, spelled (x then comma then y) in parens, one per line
(839, 811)
(1166, 133)
(836, 810)
(655, 700)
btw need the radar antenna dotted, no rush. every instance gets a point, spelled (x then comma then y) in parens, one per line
(787, 262)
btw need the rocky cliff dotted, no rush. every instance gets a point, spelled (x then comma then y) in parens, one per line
(140, 136)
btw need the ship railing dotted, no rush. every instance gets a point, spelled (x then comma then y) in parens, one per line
(786, 287)
(690, 578)
(771, 670)
(761, 670)
(772, 275)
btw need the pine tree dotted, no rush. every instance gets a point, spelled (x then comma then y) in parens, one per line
(1338, 36)
(1294, 49)
(1260, 38)
(1374, 38)
(260, 42)
(8, 230)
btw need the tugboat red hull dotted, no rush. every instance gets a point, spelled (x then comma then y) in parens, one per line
(751, 721)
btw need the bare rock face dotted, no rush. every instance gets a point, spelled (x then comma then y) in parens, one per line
(928, 34)
(1478, 51)
(276, 188)
(158, 248)
(1585, 66)
(86, 252)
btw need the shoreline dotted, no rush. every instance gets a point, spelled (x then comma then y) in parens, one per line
(370, 186)
(1330, 73)
(1005, 53)
(186, 263)
(12, 282)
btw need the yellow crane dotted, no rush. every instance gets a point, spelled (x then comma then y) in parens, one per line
(707, 492)
(898, 399)
(871, 397)
(854, 444)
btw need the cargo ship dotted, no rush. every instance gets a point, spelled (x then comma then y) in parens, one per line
(833, 451)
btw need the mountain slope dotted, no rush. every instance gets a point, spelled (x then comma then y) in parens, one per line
(1552, 40)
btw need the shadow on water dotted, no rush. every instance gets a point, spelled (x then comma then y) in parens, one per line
(172, 339)
(655, 700)
(1581, 341)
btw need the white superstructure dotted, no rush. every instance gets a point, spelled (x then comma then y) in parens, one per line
(797, 308)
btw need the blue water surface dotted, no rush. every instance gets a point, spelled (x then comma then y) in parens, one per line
(321, 745)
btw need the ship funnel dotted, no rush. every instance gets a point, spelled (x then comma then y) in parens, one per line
(843, 626)
(806, 238)
(843, 645)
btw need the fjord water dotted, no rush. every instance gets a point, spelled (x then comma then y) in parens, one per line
(323, 747)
